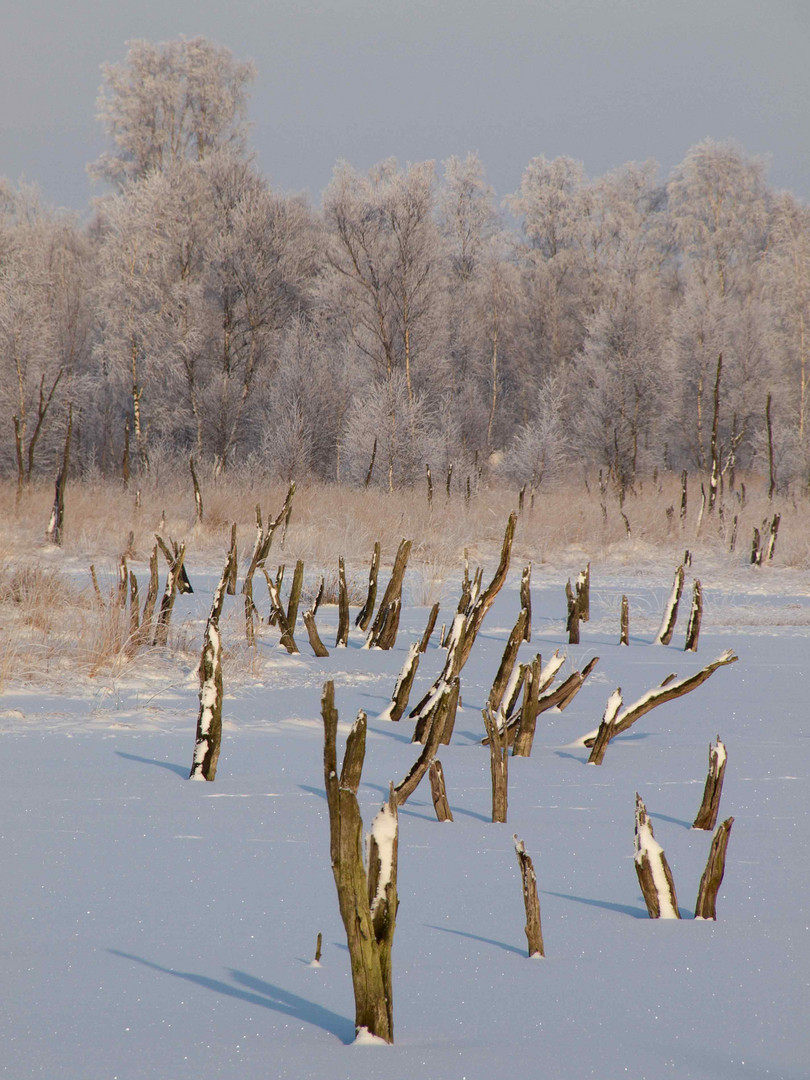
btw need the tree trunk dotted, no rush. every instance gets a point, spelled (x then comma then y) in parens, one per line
(534, 933)
(526, 600)
(498, 763)
(56, 524)
(173, 576)
(439, 792)
(652, 868)
(318, 646)
(431, 623)
(524, 736)
(710, 806)
(695, 616)
(380, 635)
(367, 899)
(402, 690)
(670, 617)
(507, 663)
(624, 632)
(209, 719)
(342, 638)
(440, 714)
(706, 904)
(367, 610)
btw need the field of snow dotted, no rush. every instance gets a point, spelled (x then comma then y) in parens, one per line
(155, 928)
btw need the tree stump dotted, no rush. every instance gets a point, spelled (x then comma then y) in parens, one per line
(667, 628)
(402, 690)
(534, 933)
(706, 904)
(695, 617)
(499, 763)
(438, 792)
(710, 806)
(652, 868)
(342, 638)
(624, 631)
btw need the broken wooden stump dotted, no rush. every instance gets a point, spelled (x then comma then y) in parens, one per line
(534, 933)
(710, 806)
(670, 616)
(706, 904)
(438, 791)
(652, 869)
(402, 690)
(695, 617)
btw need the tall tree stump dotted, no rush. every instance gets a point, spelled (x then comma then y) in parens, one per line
(710, 806)
(534, 933)
(710, 882)
(652, 868)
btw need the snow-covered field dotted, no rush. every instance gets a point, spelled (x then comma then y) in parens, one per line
(157, 928)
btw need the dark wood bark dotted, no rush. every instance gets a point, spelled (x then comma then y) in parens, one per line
(294, 599)
(507, 664)
(706, 904)
(209, 719)
(774, 529)
(670, 616)
(526, 600)
(402, 690)
(624, 631)
(367, 610)
(652, 869)
(534, 933)
(710, 806)
(431, 623)
(572, 620)
(484, 601)
(380, 634)
(498, 764)
(438, 792)
(261, 550)
(342, 637)
(171, 589)
(318, 646)
(367, 901)
(524, 735)
(695, 617)
(667, 691)
(234, 563)
(446, 701)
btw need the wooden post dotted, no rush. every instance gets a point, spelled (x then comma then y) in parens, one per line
(652, 869)
(429, 627)
(318, 646)
(498, 763)
(175, 559)
(438, 791)
(231, 588)
(695, 616)
(624, 632)
(526, 600)
(367, 610)
(507, 663)
(706, 904)
(524, 736)
(367, 897)
(402, 690)
(380, 635)
(534, 933)
(670, 617)
(710, 806)
(772, 536)
(572, 621)
(209, 720)
(756, 549)
(342, 638)
(294, 598)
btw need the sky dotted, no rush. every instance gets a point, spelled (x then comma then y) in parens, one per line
(602, 81)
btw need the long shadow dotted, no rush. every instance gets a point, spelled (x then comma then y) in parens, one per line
(319, 791)
(477, 937)
(623, 909)
(389, 732)
(672, 820)
(180, 770)
(264, 994)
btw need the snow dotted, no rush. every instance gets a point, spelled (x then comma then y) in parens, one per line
(152, 930)
(384, 832)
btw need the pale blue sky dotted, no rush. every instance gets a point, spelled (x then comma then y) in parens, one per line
(604, 81)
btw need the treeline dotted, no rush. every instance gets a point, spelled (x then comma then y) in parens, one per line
(411, 320)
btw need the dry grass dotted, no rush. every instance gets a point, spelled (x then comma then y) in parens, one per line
(52, 624)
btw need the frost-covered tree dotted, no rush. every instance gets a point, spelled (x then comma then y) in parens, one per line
(168, 102)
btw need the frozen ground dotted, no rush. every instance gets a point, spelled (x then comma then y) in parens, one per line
(157, 928)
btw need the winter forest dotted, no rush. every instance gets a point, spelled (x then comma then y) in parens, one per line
(625, 323)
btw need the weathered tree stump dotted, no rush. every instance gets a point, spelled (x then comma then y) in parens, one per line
(524, 735)
(706, 904)
(624, 630)
(438, 792)
(534, 933)
(526, 600)
(710, 806)
(402, 690)
(507, 664)
(670, 616)
(56, 524)
(209, 720)
(431, 623)
(172, 588)
(695, 617)
(315, 642)
(367, 610)
(652, 869)
(367, 897)
(261, 549)
(498, 762)
(195, 483)
(342, 638)
(440, 712)
(382, 634)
